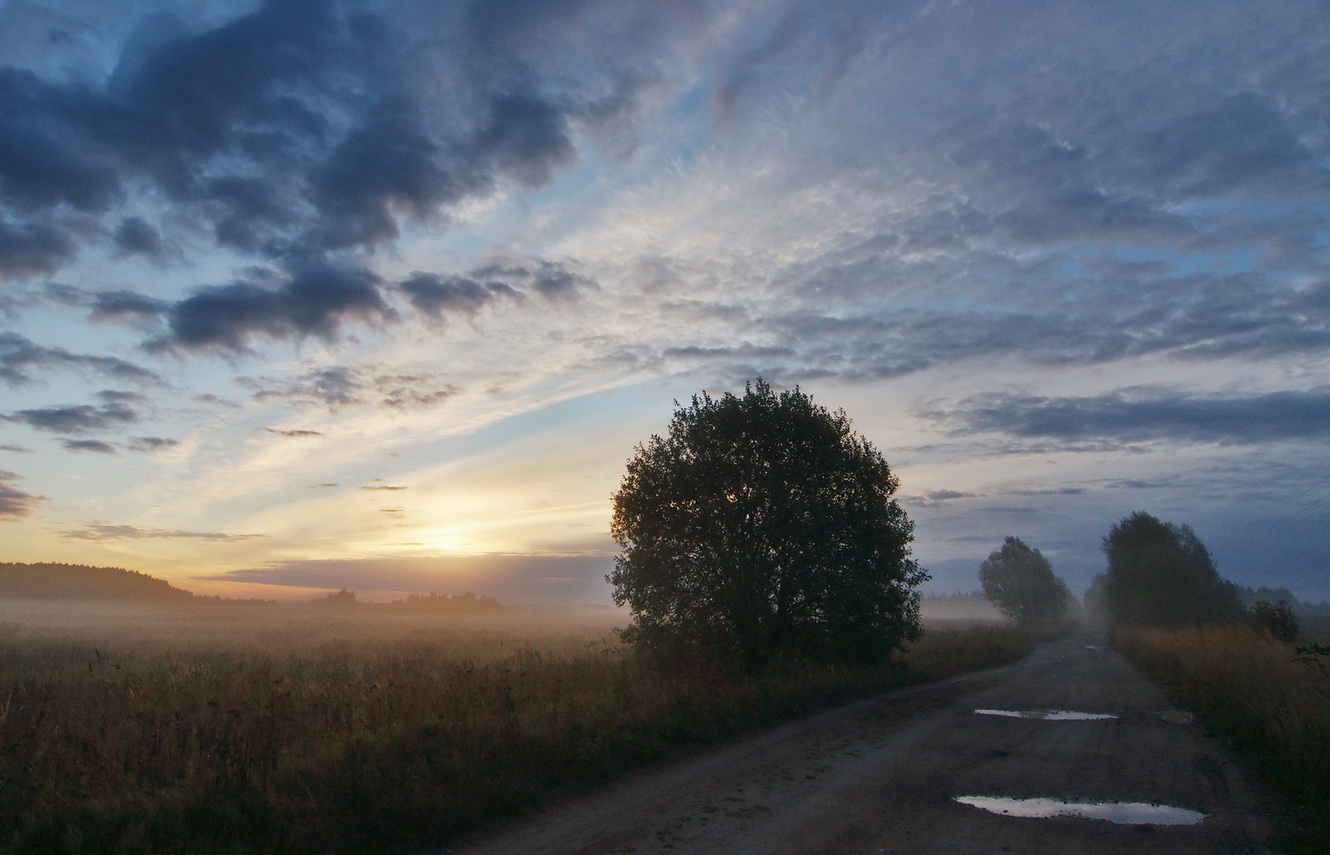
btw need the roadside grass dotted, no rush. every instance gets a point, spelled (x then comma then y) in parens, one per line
(339, 734)
(1270, 703)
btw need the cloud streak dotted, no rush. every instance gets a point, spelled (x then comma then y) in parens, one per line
(15, 504)
(109, 531)
(1146, 414)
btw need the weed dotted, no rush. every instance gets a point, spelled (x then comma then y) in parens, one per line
(266, 738)
(1268, 698)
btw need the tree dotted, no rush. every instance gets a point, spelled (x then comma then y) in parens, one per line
(762, 529)
(1019, 580)
(1160, 574)
(1277, 620)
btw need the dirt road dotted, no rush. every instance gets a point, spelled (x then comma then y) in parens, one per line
(886, 775)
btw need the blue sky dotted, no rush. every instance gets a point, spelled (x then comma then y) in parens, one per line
(381, 295)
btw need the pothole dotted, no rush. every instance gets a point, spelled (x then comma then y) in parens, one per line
(1122, 813)
(1049, 715)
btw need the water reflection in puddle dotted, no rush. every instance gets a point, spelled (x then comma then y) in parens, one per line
(1049, 715)
(1122, 813)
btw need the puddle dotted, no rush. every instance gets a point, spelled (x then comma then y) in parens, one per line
(1049, 715)
(1122, 813)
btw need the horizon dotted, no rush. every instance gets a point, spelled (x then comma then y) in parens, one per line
(303, 296)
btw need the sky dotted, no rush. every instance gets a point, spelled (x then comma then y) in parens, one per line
(304, 295)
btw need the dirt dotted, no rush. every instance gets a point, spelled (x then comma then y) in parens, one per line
(884, 775)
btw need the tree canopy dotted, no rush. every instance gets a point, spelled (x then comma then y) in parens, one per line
(1019, 580)
(762, 529)
(1160, 574)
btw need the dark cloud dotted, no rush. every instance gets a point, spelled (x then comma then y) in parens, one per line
(436, 295)
(295, 434)
(109, 305)
(107, 531)
(303, 127)
(313, 300)
(549, 279)
(1049, 319)
(385, 487)
(344, 386)
(151, 443)
(81, 418)
(136, 236)
(16, 448)
(19, 356)
(526, 137)
(118, 396)
(385, 167)
(946, 495)
(1144, 415)
(14, 503)
(94, 445)
(33, 249)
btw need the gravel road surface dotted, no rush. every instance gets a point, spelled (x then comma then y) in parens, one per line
(887, 775)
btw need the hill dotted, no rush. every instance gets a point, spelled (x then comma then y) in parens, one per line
(80, 582)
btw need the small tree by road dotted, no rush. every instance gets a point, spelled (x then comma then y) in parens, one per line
(1160, 574)
(1019, 580)
(762, 529)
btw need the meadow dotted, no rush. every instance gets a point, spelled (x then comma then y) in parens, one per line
(256, 729)
(1271, 702)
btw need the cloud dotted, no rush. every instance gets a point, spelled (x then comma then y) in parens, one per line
(313, 300)
(20, 356)
(14, 503)
(295, 434)
(1144, 415)
(309, 127)
(947, 495)
(115, 305)
(135, 236)
(16, 448)
(384, 487)
(151, 443)
(435, 295)
(82, 418)
(28, 250)
(343, 386)
(94, 445)
(108, 531)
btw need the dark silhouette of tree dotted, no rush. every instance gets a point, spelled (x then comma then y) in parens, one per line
(81, 582)
(762, 529)
(1160, 574)
(1096, 599)
(1276, 618)
(1019, 580)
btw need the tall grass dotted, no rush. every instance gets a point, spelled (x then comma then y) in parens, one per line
(1273, 705)
(163, 743)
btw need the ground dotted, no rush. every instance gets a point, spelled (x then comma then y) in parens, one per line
(884, 776)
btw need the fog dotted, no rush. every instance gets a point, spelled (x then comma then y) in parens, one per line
(276, 628)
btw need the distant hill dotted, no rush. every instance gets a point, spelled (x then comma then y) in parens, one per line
(79, 582)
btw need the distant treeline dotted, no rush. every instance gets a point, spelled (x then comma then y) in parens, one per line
(1314, 617)
(80, 582)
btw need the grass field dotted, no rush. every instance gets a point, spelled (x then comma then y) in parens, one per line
(280, 729)
(1270, 703)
